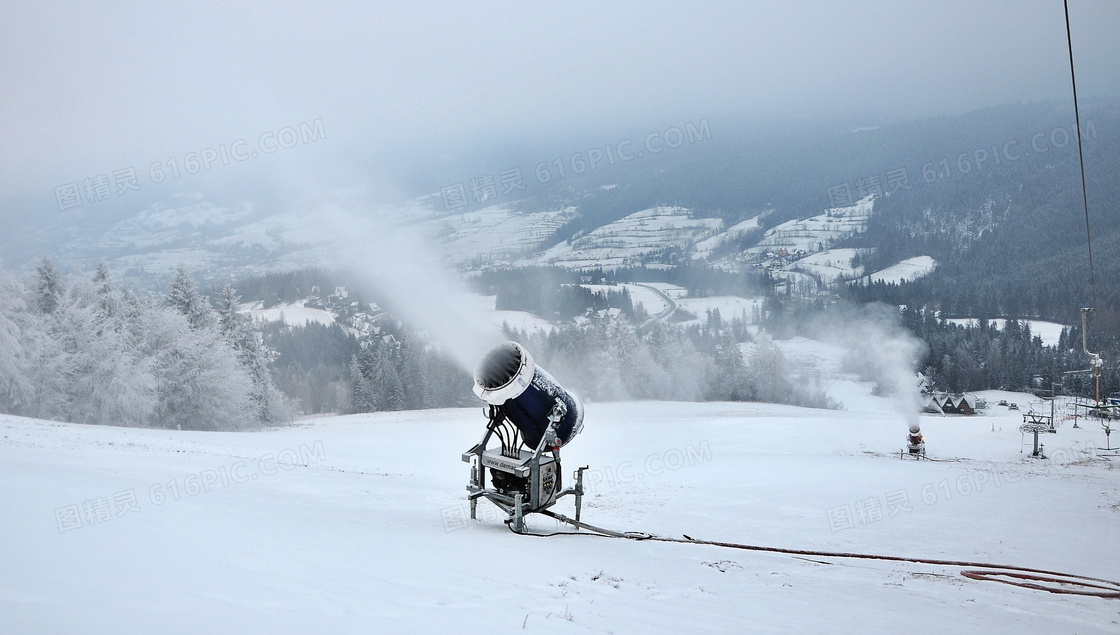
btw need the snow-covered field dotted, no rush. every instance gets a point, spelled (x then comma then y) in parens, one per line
(292, 314)
(830, 264)
(626, 241)
(905, 270)
(1050, 332)
(497, 232)
(358, 524)
(827, 359)
(817, 232)
(518, 320)
(729, 306)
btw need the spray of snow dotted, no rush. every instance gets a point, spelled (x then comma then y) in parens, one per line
(386, 249)
(879, 349)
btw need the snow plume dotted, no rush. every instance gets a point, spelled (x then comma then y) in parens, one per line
(880, 350)
(385, 248)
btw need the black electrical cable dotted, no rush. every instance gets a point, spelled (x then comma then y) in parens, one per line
(1081, 161)
(1037, 579)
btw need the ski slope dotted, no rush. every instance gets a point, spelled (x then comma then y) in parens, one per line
(358, 524)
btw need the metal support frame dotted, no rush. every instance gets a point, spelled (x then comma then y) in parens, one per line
(516, 507)
(914, 451)
(1034, 427)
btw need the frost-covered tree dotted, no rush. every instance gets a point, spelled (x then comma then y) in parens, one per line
(111, 379)
(17, 393)
(200, 381)
(270, 405)
(729, 381)
(93, 353)
(186, 299)
(768, 374)
(47, 287)
(230, 322)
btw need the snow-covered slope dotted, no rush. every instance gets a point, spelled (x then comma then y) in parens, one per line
(494, 233)
(626, 241)
(816, 233)
(830, 264)
(905, 270)
(358, 524)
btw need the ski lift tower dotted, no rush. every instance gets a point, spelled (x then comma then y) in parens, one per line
(1106, 412)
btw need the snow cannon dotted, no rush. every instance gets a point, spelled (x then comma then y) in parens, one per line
(508, 378)
(532, 417)
(915, 443)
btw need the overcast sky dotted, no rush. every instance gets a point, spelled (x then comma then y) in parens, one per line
(89, 89)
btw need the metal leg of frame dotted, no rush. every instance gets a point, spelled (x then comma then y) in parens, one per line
(518, 518)
(579, 492)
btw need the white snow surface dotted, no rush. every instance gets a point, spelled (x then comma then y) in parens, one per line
(1050, 332)
(628, 240)
(817, 233)
(905, 270)
(519, 320)
(830, 264)
(292, 314)
(730, 307)
(357, 524)
(496, 232)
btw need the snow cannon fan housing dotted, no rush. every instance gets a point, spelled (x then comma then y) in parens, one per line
(508, 378)
(915, 436)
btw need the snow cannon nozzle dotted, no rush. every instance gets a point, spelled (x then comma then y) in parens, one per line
(499, 366)
(914, 428)
(526, 395)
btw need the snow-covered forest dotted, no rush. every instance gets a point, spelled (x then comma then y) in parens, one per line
(91, 352)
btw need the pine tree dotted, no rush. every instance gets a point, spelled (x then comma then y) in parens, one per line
(415, 379)
(229, 320)
(270, 405)
(387, 381)
(48, 289)
(186, 299)
(729, 382)
(363, 399)
(101, 279)
(17, 335)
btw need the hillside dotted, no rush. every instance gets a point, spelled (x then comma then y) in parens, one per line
(992, 195)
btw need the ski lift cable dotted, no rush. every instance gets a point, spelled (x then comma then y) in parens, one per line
(1081, 160)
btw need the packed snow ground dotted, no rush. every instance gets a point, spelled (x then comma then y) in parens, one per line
(358, 524)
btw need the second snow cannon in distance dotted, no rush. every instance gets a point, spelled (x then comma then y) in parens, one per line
(532, 417)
